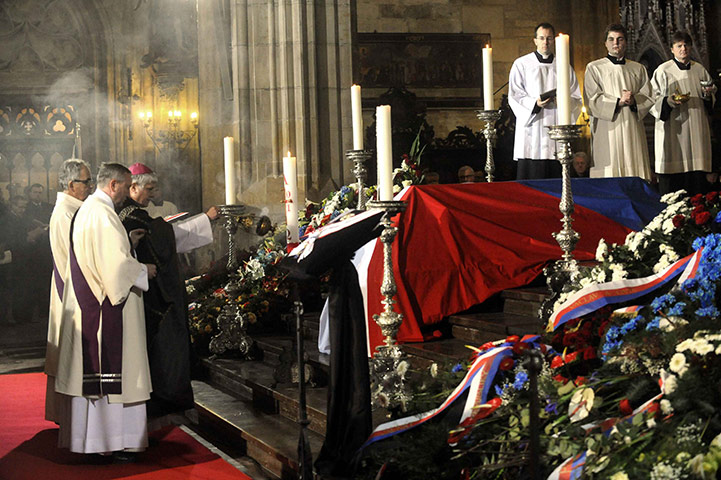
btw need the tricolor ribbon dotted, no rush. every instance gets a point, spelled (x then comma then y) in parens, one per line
(571, 469)
(478, 379)
(593, 297)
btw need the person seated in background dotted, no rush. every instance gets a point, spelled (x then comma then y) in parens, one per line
(166, 309)
(431, 178)
(580, 165)
(466, 174)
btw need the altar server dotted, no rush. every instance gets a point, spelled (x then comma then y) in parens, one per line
(684, 94)
(531, 77)
(76, 182)
(166, 308)
(617, 94)
(103, 362)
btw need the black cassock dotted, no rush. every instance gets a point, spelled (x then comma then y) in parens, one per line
(166, 313)
(349, 421)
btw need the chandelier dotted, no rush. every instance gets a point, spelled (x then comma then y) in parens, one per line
(173, 137)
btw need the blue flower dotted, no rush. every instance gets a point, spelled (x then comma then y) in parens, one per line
(520, 380)
(710, 311)
(718, 217)
(676, 309)
(499, 390)
(653, 324)
(551, 408)
(457, 368)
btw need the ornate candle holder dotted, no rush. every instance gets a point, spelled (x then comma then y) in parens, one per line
(230, 213)
(489, 117)
(388, 366)
(359, 158)
(567, 237)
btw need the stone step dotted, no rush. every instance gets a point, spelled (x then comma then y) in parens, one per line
(524, 301)
(270, 439)
(422, 355)
(258, 383)
(479, 328)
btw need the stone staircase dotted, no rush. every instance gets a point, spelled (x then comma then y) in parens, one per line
(252, 406)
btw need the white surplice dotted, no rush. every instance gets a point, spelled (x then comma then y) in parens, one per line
(101, 423)
(683, 142)
(65, 208)
(529, 78)
(619, 137)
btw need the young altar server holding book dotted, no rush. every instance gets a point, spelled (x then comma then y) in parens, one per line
(684, 94)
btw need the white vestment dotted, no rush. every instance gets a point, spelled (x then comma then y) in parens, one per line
(683, 141)
(619, 138)
(110, 277)
(529, 78)
(65, 208)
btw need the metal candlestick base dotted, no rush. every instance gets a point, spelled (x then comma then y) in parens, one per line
(489, 117)
(230, 213)
(359, 158)
(567, 237)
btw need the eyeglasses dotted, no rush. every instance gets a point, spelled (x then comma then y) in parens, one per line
(85, 182)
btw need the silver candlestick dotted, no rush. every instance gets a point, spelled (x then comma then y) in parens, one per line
(389, 321)
(489, 117)
(567, 237)
(359, 158)
(230, 213)
(388, 366)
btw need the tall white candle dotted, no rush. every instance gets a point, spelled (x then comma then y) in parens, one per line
(384, 149)
(290, 182)
(357, 112)
(563, 80)
(230, 178)
(488, 78)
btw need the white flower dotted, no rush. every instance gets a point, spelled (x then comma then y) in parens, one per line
(434, 370)
(402, 368)
(666, 407)
(581, 404)
(696, 466)
(619, 476)
(407, 183)
(670, 384)
(716, 442)
(664, 471)
(667, 226)
(673, 197)
(601, 250)
(619, 273)
(685, 345)
(651, 423)
(678, 363)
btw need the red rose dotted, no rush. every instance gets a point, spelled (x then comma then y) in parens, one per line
(625, 407)
(589, 353)
(703, 218)
(697, 199)
(678, 220)
(506, 364)
(711, 196)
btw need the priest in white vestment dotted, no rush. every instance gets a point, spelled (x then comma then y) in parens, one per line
(618, 96)
(531, 77)
(76, 182)
(682, 134)
(103, 362)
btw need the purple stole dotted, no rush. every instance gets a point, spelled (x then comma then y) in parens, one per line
(59, 284)
(102, 372)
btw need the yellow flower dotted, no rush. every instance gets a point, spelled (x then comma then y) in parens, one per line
(619, 476)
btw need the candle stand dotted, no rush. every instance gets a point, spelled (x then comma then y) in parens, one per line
(230, 213)
(489, 117)
(359, 158)
(388, 365)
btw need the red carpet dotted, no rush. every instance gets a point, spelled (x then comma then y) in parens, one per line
(28, 446)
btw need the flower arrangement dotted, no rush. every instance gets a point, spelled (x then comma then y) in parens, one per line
(628, 393)
(258, 289)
